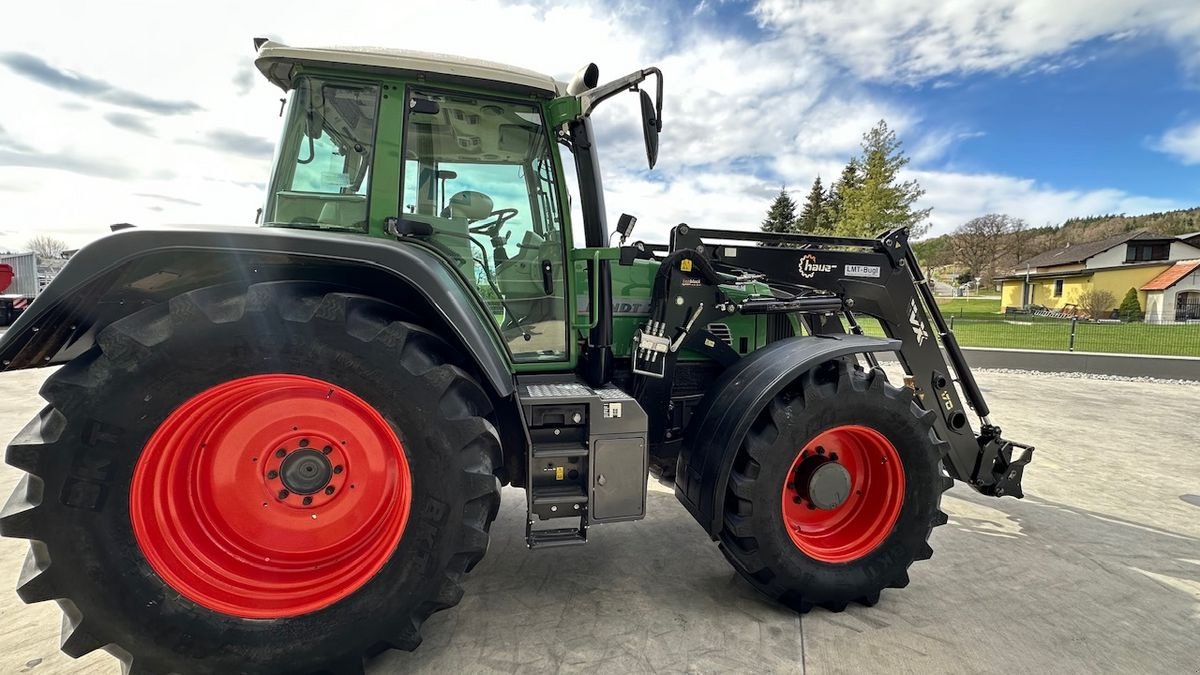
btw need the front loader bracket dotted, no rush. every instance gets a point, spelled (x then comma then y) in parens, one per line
(825, 284)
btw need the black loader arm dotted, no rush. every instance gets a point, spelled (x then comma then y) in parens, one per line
(825, 284)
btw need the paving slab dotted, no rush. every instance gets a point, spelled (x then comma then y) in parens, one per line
(1098, 569)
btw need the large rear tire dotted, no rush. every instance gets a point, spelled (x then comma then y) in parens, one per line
(835, 491)
(266, 479)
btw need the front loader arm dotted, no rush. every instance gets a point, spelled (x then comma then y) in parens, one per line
(826, 283)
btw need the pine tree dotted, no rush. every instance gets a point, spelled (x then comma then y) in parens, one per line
(1130, 309)
(880, 201)
(812, 218)
(836, 199)
(781, 217)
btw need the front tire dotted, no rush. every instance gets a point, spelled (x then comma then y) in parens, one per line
(266, 479)
(835, 491)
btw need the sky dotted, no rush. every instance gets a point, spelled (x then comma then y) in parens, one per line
(152, 112)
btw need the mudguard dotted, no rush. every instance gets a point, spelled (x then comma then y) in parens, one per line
(733, 402)
(130, 269)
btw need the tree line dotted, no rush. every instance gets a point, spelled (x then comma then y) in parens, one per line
(996, 243)
(866, 199)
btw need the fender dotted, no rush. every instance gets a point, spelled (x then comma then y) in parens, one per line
(733, 402)
(133, 268)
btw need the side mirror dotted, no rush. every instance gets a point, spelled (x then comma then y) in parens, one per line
(650, 128)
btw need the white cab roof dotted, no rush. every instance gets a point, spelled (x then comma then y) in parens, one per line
(277, 62)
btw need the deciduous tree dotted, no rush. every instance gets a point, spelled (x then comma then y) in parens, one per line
(981, 242)
(1096, 303)
(46, 246)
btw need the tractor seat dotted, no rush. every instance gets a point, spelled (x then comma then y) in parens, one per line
(468, 204)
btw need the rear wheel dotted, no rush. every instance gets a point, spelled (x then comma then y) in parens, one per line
(835, 491)
(272, 479)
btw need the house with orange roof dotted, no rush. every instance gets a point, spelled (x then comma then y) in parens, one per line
(1136, 259)
(1174, 295)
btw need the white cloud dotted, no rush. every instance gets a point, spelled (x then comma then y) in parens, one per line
(1181, 142)
(917, 40)
(742, 115)
(958, 197)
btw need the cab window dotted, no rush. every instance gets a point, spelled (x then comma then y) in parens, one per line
(322, 171)
(480, 172)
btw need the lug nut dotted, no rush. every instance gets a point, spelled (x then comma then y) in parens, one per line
(307, 501)
(283, 494)
(272, 475)
(337, 469)
(329, 490)
(304, 442)
(327, 449)
(280, 452)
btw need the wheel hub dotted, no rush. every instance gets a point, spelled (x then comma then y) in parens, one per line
(828, 485)
(305, 472)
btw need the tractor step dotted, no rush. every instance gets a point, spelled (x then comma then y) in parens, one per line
(559, 451)
(563, 536)
(587, 457)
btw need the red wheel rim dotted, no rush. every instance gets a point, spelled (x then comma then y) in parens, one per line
(859, 524)
(213, 513)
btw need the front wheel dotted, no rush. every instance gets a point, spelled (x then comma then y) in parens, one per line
(272, 479)
(835, 490)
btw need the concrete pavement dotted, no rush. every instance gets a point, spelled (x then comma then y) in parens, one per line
(1098, 569)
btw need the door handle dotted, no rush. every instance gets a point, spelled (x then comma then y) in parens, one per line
(547, 277)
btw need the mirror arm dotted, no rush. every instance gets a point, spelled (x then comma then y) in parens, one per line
(658, 95)
(589, 99)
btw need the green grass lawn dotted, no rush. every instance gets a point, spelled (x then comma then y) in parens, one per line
(979, 323)
(1128, 338)
(970, 307)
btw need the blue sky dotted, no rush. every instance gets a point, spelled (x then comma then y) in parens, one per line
(1085, 127)
(1043, 110)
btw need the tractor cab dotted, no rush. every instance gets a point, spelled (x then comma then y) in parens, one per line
(474, 175)
(459, 155)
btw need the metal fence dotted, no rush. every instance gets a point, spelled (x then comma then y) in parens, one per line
(1077, 335)
(1069, 335)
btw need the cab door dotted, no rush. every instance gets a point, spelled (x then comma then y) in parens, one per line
(480, 171)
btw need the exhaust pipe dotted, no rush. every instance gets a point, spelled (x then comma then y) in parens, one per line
(586, 78)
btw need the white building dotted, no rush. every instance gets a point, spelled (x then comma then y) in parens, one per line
(1174, 295)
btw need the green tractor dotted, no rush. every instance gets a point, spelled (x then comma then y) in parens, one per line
(280, 449)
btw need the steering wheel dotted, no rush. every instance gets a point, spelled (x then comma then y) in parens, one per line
(491, 227)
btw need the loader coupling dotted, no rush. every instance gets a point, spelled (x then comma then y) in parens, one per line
(998, 472)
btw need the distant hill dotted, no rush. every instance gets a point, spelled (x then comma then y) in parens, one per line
(937, 251)
(1183, 221)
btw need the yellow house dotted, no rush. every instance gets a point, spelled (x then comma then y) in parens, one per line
(1057, 278)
